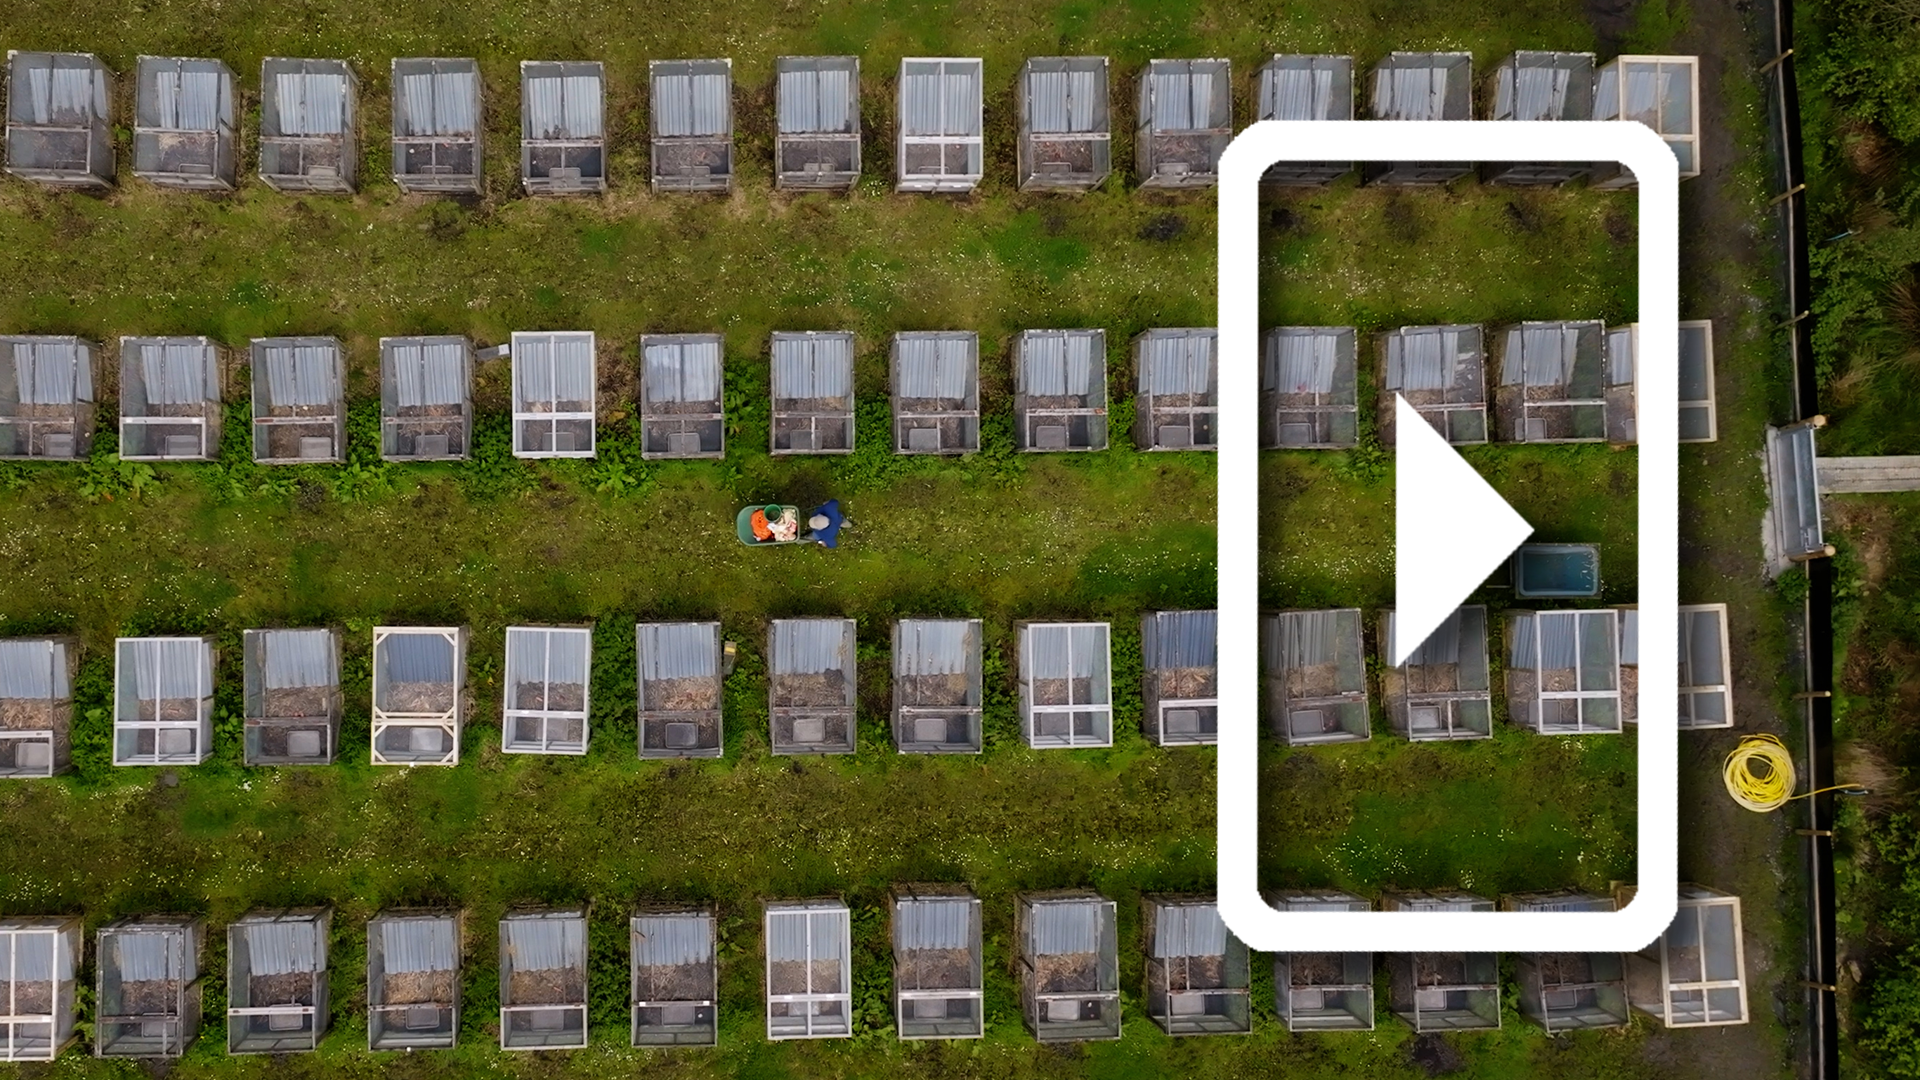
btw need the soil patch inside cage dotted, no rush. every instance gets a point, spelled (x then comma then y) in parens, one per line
(549, 986)
(674, 982)
(418, 697)
(32, 998)
(1064, 155)
(26, 714)
(558, 697)
(1561, 968)
(288, 988)
(1200, 972)
(1063, 691)
(299, 701)
(790, 977)
(1319, 969)
(1440, 969)
(1075, 973)
(149, 997)
(680, 159)
(1064, 402)
(1196, 151)
(682, 695)
(934, 690)
(822, 689)
(419, 988)
(170, 709)
(937, 969)
(1629, 691)
(1182, 684)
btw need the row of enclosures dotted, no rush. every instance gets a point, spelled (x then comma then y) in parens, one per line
(1567, 672)
(59, 122)
(147, 997)
(1550, 382)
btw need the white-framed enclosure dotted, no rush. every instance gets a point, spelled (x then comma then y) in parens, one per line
(1180, 695)
(812, 376)
(1569, 991)
(1695, 974)
(277, 980)
(938, 977)
(555, 390)
(183, 133)
(1444, 691)
(809, 947)
(413, 978)
(162, 700)
(692, 106)
(59, 119)
(1184, 113)
(1199, 978)
(1662, 92)
(1176, 404)
(1068, 964)
(1540, 85)
(299, 400)
(817, 122)
(940, 124)
(1066, 138)
(309, 125)
(36, 706)
(563, 139)
(1699, 404)
(1316, 677)
(1706, 667)
(679, 689)
(1563, 671)
(419, 694)
(543, 979)
(1420, 87)
(147, 986)
(546, 706)
(291, 696)
(1060, 389)
(1443, 991)
(39, 989)
(1293, 86)
(810, 685)
(938, 668)
(1323, 991)
(674, 976)
(1442, 372)
(46, 397)
(437, 125)
(1066, 684)
(1622, 343)
(171, 392)
(936, 391)
(682, 396)
(1309, 388)
(426, 398)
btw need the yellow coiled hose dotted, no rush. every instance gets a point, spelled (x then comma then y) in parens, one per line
(1759, 775)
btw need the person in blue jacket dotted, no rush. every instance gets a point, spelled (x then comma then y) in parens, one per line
(825, 522)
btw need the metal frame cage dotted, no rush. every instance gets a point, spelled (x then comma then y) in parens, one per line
(816, 141)
(563, 139)
(555, 393)
(277, 980)
(938, 966)
(1185, 117)
(309, 125)
(1540, 85)
(543, 979)
(1695, 974)
(1309, 388)
(172, 395)
(809, 949)
(183, 126)
(46, 397)
(148, 986)
(1563, 671)
(1199, 979)
(1180, 695)
(1450, 991)
(413, 978)
(1569, 991)
(1060, 390)
(1420, 86)
(936, 391)
(162, 700)
(39, 988)
(939, 146)
(419, 694)
(1323, 991)
(691, 103)
(1648, 93)
(1444, 691)
(679, 689)
(1176, 403)
(1316, 677)
(437, 117)
(674, 977)
(1066, 684)
(59, 119)
(812, 380)
(299, 400)
(546, 679)
(292, 696)
(1303, 87)
(36, 705)
(1065, 142)
(938, 668)
(1068, 965)
(811, 686)
(682, 396)
(426, 398)
(1442, 372)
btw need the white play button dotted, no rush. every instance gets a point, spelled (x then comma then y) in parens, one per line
(1451, 530)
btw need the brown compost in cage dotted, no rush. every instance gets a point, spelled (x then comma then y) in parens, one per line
(674, 982)
(814, 406)
(1068, 402)
(149, 997)
(557, 697)
(299, 701)
(1195, 150)
(419, 987)
(31, 997)
(1440, 969)
(435, 698)
(683, 695)
(790, 977)
(29, 714)
(287, 988)
(821, 689)
(1558, 969)
(936, 969)
(673, 158)
(1071, 973)
(1063, 691)
(1431, 678)
(547, 986)
(1196, 972)
(284, 440)
(1185, 684)
(1318, 969)
(952, 689)
(1076, 155)
(1629, 691)
(707, 408)
(169, 709)
(1313, 681)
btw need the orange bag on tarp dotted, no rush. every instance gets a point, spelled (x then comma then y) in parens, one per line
(761, 530)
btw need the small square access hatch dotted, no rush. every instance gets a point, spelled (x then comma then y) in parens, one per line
(174, 741)
(809, 729)
(923, 438)
(683, 442)
(315, 447)
(1176, 436)
(682, 735)
(303, 744)
(1050, 437)
(430, 446)
(1183, 721)
(427, 740)
(60, 446)
(181, 446)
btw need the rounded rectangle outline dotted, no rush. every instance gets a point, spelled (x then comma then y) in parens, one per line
(1655, 902)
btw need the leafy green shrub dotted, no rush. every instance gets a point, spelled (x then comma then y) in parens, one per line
(1890, 1013)
(105, 477)
(491, 471)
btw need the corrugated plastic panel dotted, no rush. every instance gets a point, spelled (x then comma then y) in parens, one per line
(934, 923)
(560, 106)
(678, 650)
(689, 101)
(682, 371)
(282, 948)
(29, 957)
(301, 374)
(552, 368)
(1188, 930)
(174, 371)
(1184, 639)
(60, 89)
(311, 102)
(1065, 928)
(672, 940)
(1310, 638)
(189, 100)
(419, 944)
(426, 657)
(147, 955)
(1186, 95)
(444, 103)
(1069, 651)
(300, 658)
(547, 655)
(1430, 357)
(1302, 362)
(51, 371)
(1179, 362)
(937, 647)
(166, 668)
(816, 101)
(818, 934)
(1307, 88)
(940, 97)
(1059, 363)
(811, 646)
(428, 372)
(812, 366)
(34, 669)
(545, 944)
(937, 366)
(1066, 102)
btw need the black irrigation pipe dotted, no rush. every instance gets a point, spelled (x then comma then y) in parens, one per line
(1818, 981)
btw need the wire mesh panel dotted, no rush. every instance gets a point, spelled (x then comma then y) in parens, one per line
(1563, 671)
(1551, 382)
(1444, 690)
(675, 977)
(554, 387)
(277, 980)
(817, 122)
(937, 671)
(563, 145)
(1294, 87)
(419, 683)
(810, 685)
(46, 397)
(299, 401)
(183, 133)
(1421, 86)
(546, 685)
(1198, 976)
(59, 129)
(679, 688)
(1323, 991)
(36, 705)
(812, 392)
(1068, 965)
(1622, 344)
(436, 124)
(292, 696)
(1065, 138)
(1662, 92)
(1442, 372)
(692, 124)
(170, 399)
(939, 146)
(1177, 399)
(1706, 694)
(1060, 389)
(425, 398)
(1699, 409)
(1066, 685)
(1569, 991)
(936, 392)
(147, 986)
(1185, 111)
(1695, 975)
(1309, 388)
(413, 979)
(1443, 991)
(1316, 677)
(309, 125)
(1180, 657)
(809, 969)
(682, 412)
(1533, 85)
(39, 958)
(162, 700)
(938, 980)
(543, 979)
(1793, 488)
